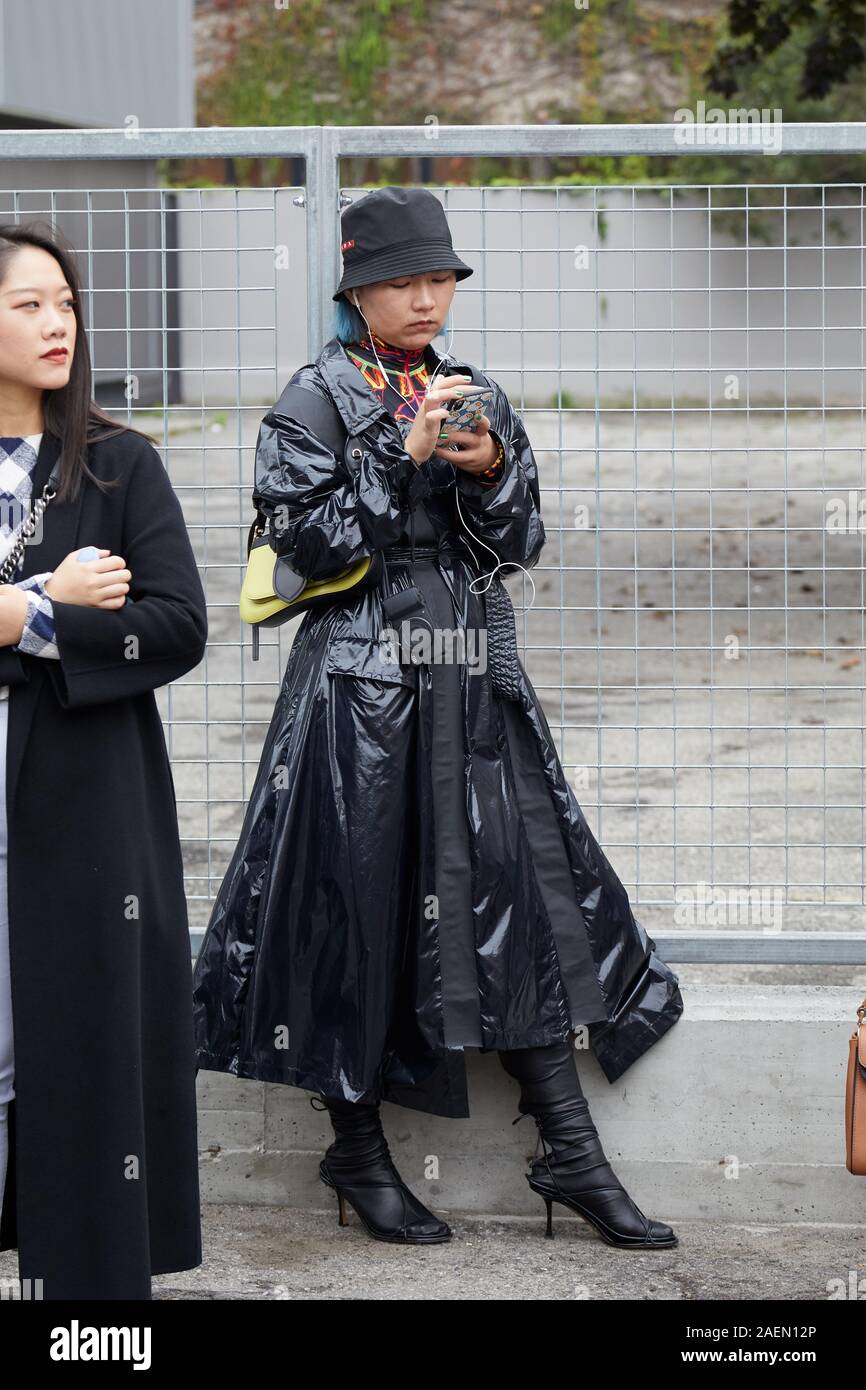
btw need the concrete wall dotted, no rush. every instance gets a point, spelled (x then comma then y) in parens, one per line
(736, 1114)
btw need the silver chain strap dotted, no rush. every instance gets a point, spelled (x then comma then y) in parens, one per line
(25, 531)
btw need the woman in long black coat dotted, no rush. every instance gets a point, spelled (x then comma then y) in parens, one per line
(414, 875)
(101, 1188)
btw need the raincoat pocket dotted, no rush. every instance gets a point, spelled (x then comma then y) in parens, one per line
(363, 656)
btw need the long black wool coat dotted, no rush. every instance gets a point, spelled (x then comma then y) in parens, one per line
(102, 1189)
(333, 878)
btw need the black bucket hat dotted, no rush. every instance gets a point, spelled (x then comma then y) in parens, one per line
(396, 231)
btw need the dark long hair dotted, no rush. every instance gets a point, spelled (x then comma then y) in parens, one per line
(70, 413)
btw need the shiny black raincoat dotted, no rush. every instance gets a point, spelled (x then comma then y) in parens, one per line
(403, 888)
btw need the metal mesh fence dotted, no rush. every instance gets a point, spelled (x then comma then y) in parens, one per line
(688, 362)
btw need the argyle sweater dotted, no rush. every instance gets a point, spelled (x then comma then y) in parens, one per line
(406, 375)
(17, 461)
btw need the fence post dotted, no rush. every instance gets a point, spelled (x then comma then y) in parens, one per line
(323, 232)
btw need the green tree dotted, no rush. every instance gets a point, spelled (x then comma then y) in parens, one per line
(830, 53)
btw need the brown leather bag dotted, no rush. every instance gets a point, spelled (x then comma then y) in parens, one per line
(855, 1097)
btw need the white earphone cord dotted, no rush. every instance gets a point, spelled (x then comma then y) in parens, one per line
(499, 563)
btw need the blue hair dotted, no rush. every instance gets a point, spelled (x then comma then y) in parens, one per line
(349, 327)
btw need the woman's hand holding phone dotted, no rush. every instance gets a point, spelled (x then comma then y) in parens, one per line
(97, 583)
(476, 448)
(471, 444)
(422, 438)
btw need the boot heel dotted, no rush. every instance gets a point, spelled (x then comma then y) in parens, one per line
(549, 1231)
(342, 1219)
(548, 1202)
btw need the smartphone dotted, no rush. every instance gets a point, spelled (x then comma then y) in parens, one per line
(466, 409)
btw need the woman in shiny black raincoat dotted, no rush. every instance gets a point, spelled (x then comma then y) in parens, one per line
(414, 874)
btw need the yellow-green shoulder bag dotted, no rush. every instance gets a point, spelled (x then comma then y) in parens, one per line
(273, 591)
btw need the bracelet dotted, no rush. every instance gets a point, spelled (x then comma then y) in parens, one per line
(494, 467)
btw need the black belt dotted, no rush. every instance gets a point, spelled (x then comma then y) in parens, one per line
(499, 612)
(425, 551)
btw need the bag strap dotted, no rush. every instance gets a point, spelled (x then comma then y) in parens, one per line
(317, 412)
(321, 415)
(28, 526)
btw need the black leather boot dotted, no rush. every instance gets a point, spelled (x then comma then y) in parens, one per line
(576, 1171)
(358, 1165)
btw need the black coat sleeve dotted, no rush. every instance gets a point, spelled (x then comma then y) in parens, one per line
(13, 671)
(508, 516)
(111, 654)
(320, 517)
